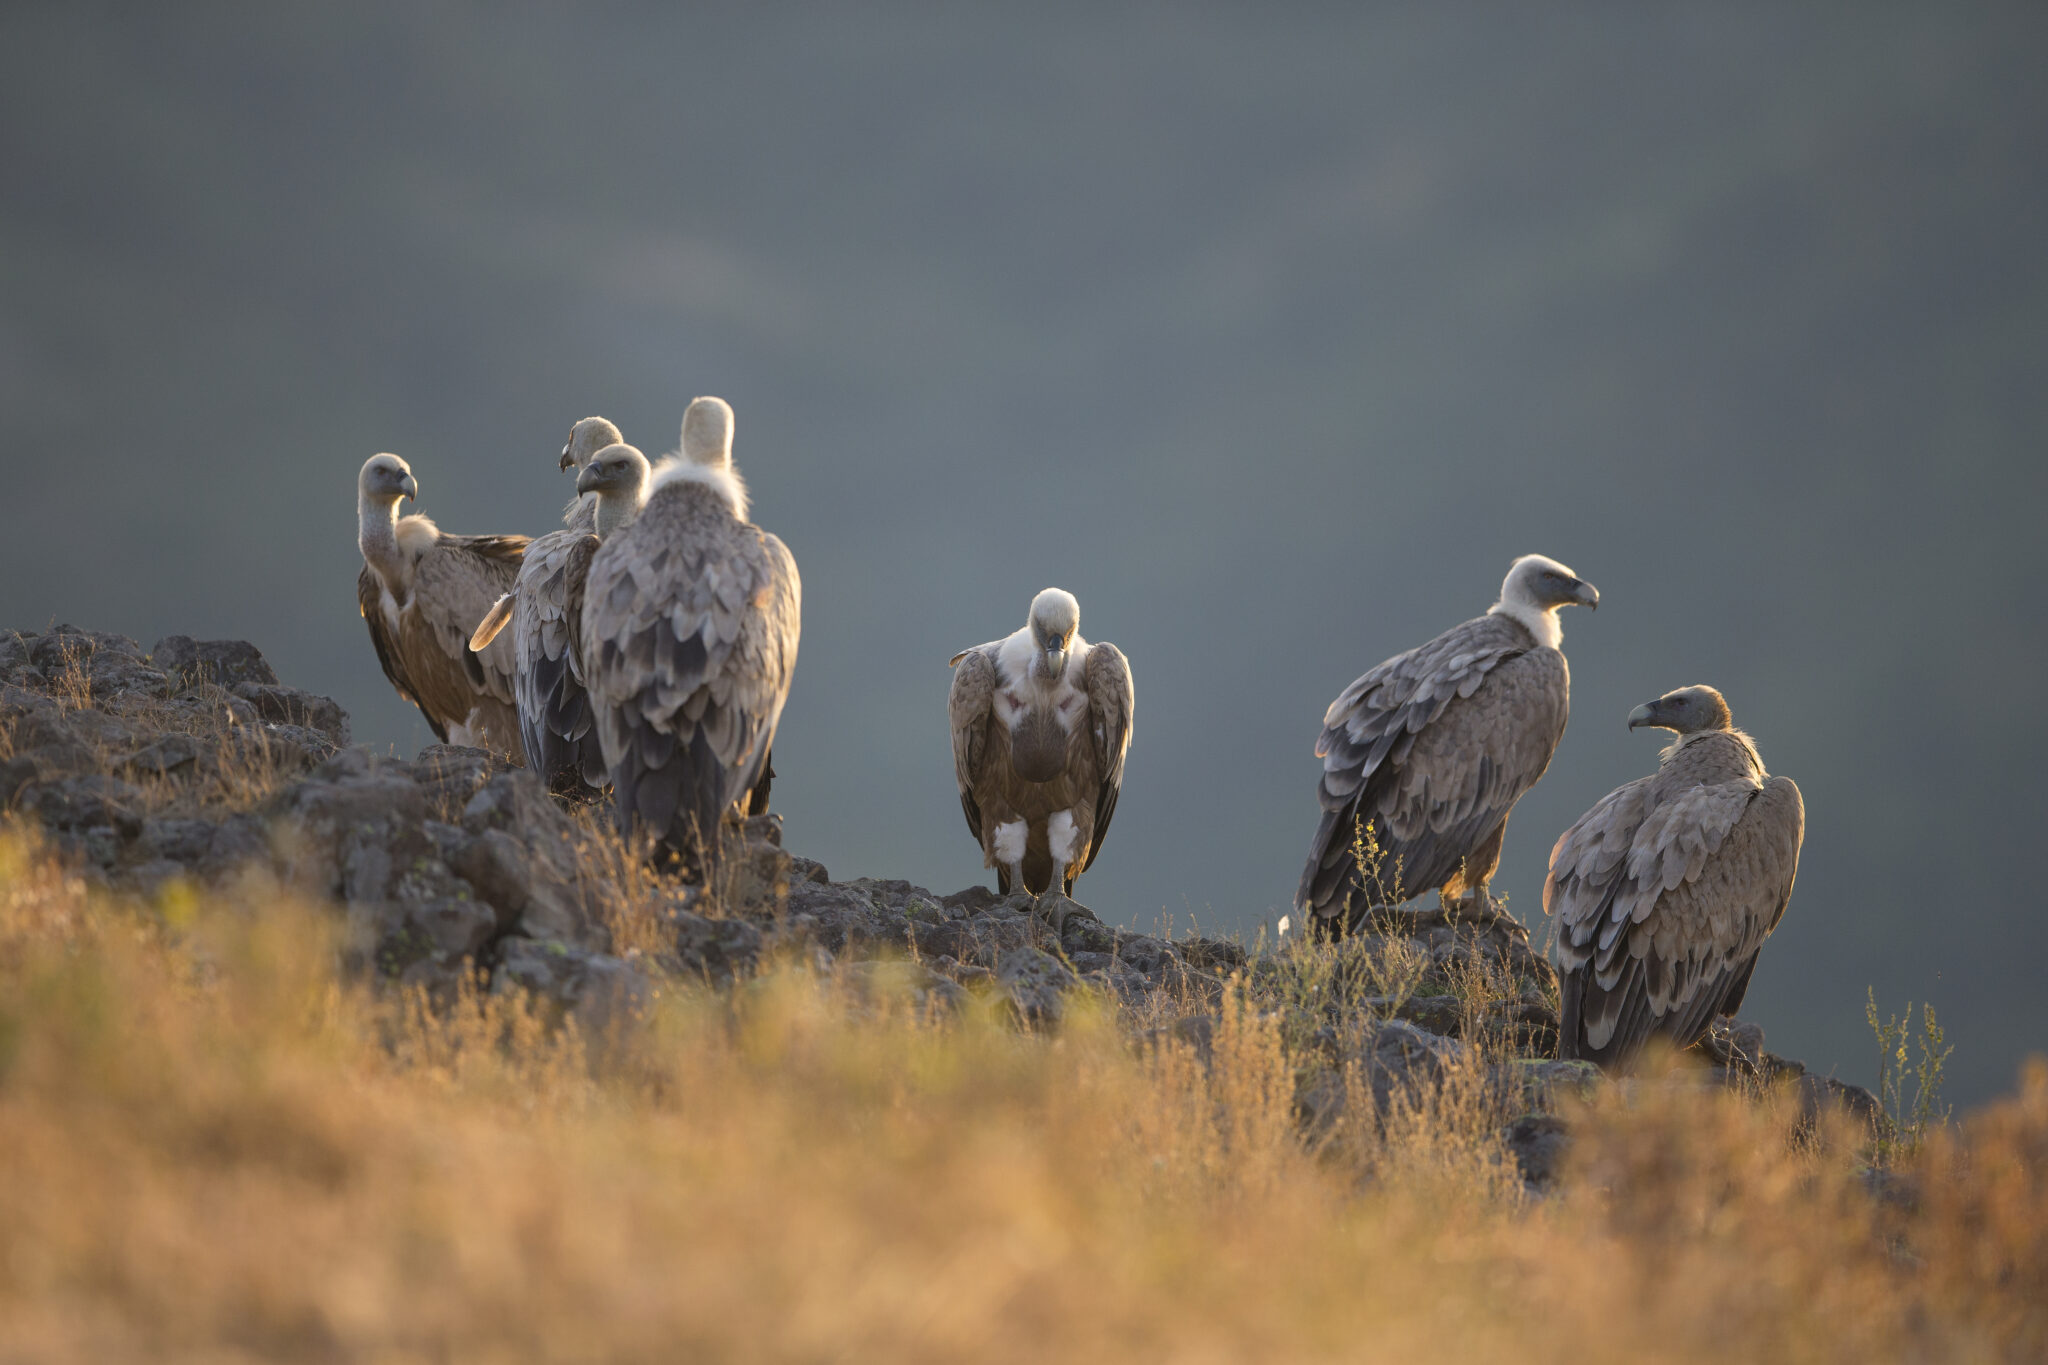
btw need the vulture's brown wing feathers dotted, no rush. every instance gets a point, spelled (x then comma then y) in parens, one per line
(456, 581)
(1107, 681)
(967, 707)
(1433, 748)
(370, 598)
(555, 720)
(690, 628)
(1665, 892)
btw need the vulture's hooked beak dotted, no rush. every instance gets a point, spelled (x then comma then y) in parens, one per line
(1646, 714)
(568, 460)
(587, 481)
(1586, 595)
(1055, 663)
(410, 488)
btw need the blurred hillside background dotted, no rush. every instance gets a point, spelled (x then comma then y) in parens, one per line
(1273, 333)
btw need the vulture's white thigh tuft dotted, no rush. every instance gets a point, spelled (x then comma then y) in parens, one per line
(1059, 833)
(1010, 842)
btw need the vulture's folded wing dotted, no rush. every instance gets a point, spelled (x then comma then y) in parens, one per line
(1111, 700)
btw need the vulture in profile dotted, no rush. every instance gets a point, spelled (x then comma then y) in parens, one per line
(545, 608)
(1665, 891)
(421, 593)
(555, 724)
(1425, 756)
(1041, 724)
(690, 622)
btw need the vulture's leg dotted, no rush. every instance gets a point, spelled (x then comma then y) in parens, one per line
(1058, 909)
(1009, 842)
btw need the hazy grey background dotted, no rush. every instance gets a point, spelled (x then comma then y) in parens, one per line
(1273, 333)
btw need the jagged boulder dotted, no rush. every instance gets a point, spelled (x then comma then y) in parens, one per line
(224, 663)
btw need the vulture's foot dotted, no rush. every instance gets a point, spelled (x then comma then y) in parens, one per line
(1474, 907)
(1056, 908)
(1735, 1045)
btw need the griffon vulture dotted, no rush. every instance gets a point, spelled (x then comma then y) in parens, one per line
(1665, 891)
(421, 592)
(545, 609)
(1041, 724)
(555, 724)
(1425, 756)
(690, 623)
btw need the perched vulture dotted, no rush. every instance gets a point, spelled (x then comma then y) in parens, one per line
(1041, 724)
(1425, 756)
(555, 724)
(545, 608)
(1665, 891)
(690, 623)
(421, 593)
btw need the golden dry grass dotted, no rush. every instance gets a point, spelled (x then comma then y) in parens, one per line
(216, 1151)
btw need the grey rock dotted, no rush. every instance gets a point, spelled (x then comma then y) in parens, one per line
(92, 801)
(766, 828)
(224, 663)
(173, 755)
(1543, 1084)
(757, 880)
(111, 665)
(532, 867)
(15, 773)
(456, 926)
(288, 706)
(1402, 1059)
(716, 949)
(452, 774)
(807, 870)
(605, 995)
(179, 840)
(1818, 1093)
(1539, 1144)
(1036, 984)
(973, 900)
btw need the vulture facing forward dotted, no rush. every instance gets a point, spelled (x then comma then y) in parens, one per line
(421, 593)
(555, 723)
(1665, 891)
(1428, 753)
(1041, 724)
(690, 622)
(545, 609)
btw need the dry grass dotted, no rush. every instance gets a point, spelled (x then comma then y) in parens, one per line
(216, 1151)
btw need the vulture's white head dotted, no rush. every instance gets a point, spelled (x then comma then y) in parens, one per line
(1536, 586)
(384, 480)
(618, 476)
(586, 438)
(706, 454)
(1054, 622)
(707, 433)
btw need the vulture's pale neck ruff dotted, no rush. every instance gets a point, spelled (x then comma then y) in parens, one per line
(1741, 737)
(1022, 666)
(616, 509)
(677, 470)
(392, 544)
(1517, 604)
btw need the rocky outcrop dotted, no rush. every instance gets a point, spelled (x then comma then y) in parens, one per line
(192, 760)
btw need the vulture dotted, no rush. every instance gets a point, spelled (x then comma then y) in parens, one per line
(689, 634)
(1041, 724)
(421, 592)
(545, 609)
(555, 724)
(1425, 756)
(1665, 891)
